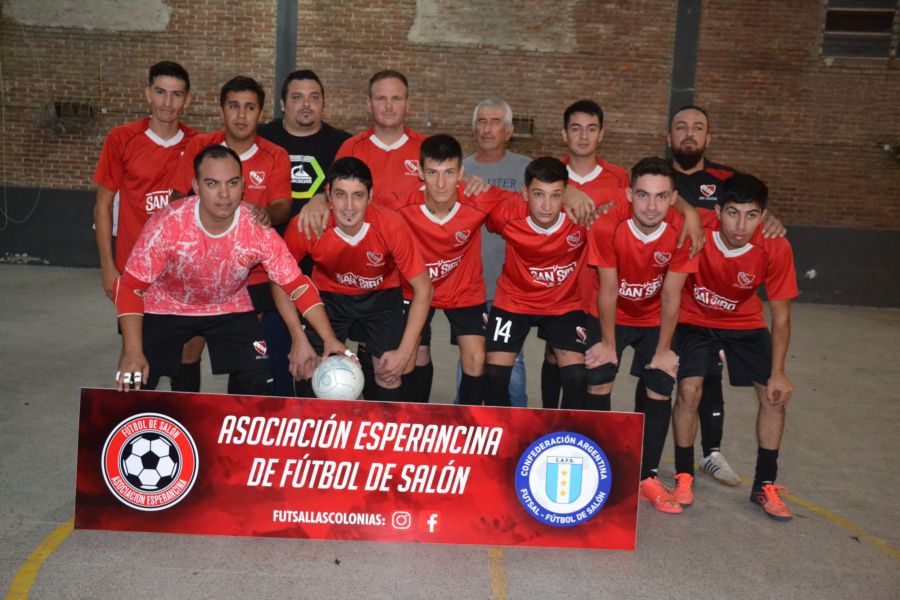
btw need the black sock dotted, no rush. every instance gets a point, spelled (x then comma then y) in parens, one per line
(424, 380)
(766, 466)
(657, 415)
(684, 459)
(471, 389)
(365, 362)
(640, 394)
(712, 414)
(386, 395)
(496, 379)
(303, 389)
(598, 402)
(188, 378)
(550, 384)
(574, 384)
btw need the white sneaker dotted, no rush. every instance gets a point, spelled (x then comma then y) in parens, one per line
(718, 468)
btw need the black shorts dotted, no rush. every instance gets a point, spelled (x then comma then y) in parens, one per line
(643, 340)
(376, 316)
(234, 339)
(469, 320)
(261, 296)
(748, 352)
(506, 331)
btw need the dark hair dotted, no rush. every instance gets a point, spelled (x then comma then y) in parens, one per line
(301, 75)
(387, 74)
(546, 169)
(689, 107)
(214, 151)
(586, 106)
(167, 68)
(350, 167)
(242, 84)
(440, 147)
(652, 165)
(742, 188)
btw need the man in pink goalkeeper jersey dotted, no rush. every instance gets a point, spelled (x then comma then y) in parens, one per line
(187, 276)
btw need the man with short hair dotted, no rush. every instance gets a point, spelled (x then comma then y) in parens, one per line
(137, 167)
(492, 126)
(539, 284)
(359, 264)
(699, 182)
(641, 273)
(187, 277)
(311, 144)
(720, 308)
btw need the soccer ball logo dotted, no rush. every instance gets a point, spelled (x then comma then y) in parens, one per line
(338, 378)
(150, 462)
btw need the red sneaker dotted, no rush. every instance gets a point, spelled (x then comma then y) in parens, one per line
(684, 489)
(659, 495)
(768, 497)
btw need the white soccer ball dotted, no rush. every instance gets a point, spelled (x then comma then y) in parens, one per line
(338, 378)
(150, 462)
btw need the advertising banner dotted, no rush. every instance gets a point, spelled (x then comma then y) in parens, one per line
(355, 470)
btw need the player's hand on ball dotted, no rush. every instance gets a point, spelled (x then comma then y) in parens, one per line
(335, 346)
(667, 362)
(133, 370)
(600, 354)
(779, 390)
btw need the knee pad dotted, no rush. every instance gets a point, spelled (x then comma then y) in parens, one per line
(602, 375)
(659, 382)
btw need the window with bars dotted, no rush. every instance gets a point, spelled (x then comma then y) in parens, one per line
(861, 28)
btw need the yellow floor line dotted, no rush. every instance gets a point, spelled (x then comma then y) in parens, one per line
(27, 573)
(498, 574)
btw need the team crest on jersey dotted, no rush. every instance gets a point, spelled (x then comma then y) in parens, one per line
(745, 280)
(708, 190)
(574, 239)
(260, 347)
(245, 259)
(376, 259)
(412, 167)
(581, 332)
(257, 177)
(662, 258)
(149, 462)
(462, 237)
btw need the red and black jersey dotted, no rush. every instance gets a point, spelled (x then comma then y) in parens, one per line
(542, 267)
(451, 246)
(722, 293)
(140, 166)
(395, 167)
(373, 259)
(703, 188)
(641, 262)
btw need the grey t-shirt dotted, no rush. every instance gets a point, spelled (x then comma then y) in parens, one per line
(509, 174)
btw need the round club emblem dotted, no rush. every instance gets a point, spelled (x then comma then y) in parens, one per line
(149, 462)
(563, 479)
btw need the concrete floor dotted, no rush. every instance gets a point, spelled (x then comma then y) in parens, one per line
(839, 459)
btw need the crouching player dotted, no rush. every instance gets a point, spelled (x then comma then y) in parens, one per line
(539, 284)
(641, 273)
(357, 264)
(720, 306)
(187, 276)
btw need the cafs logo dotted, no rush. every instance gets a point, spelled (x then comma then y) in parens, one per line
(149, 462)
(563, 479)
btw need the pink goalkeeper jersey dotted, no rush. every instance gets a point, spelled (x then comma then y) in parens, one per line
(195, 273)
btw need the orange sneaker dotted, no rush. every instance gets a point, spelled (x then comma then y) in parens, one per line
(659, 495)
(684, 489)
(768, 497)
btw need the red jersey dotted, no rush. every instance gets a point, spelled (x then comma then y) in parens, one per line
(266, 168)
(373, 259)
(395, 167)
(641, 262)
(195, 273)
(606, 182)
(451, 246)
(722, 293)
(139, 165)
(542, 266)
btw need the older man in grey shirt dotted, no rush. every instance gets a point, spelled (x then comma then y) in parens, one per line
(493, 127)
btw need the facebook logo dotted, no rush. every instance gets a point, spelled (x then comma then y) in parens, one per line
(430, 521)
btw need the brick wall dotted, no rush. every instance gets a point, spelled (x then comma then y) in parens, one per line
(778, 109)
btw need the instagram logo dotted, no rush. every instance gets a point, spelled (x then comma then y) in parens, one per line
(401, 520)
